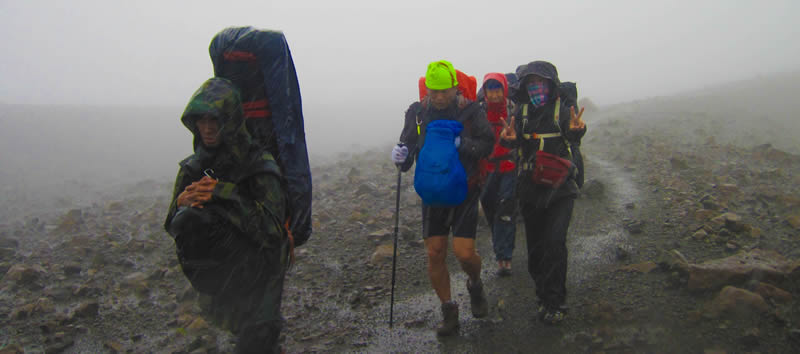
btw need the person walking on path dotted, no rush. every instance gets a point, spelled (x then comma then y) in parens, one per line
(497, 199)
(425, 136)
(547, 135)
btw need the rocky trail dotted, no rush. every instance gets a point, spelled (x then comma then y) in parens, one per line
(685, 239)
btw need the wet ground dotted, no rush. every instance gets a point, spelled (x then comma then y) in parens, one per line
(646, 183)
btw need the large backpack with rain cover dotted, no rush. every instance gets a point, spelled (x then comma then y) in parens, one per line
(260, 64)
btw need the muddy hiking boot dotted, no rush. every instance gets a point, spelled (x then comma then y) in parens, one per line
(551, 315)
(477, 298)
(450, 323)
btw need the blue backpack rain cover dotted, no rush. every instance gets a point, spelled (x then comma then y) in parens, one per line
(268, 76)
(440, 179)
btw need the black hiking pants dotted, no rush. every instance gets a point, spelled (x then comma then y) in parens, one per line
(546, 233)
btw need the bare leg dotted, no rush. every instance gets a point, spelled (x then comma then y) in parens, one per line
(437, 267)
(464, 248)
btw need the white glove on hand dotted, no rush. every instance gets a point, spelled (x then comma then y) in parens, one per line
(399, 154)
(457, 141)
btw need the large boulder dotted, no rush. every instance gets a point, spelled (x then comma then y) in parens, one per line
(738, 269)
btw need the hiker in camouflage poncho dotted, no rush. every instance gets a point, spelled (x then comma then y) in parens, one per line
(227, 216)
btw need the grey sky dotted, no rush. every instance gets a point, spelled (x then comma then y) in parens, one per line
(367, 55)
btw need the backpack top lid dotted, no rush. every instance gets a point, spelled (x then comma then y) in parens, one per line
(273, 58)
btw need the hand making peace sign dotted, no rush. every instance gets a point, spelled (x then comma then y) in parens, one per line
(508, 132)
(575, 121)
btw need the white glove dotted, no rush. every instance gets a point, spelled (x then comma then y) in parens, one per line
(457, 141)
(399, 154)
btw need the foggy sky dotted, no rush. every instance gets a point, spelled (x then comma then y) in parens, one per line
(358, 61)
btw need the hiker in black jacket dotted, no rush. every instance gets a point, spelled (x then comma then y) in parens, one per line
(547, 134)
(474, 143)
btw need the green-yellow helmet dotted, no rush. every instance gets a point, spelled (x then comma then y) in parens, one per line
(441, 75)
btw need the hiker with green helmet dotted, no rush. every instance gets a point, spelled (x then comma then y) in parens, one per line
(447, 135)
(547, 133)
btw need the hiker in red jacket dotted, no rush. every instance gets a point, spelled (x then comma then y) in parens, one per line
(498, 201)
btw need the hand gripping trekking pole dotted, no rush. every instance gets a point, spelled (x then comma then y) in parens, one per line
(394, 249)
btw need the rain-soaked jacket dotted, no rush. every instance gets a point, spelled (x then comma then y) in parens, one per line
(501, 159)
(540, 121)
(248, 195)
(477, 139)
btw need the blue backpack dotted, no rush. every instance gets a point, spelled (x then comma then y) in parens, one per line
(440, 179)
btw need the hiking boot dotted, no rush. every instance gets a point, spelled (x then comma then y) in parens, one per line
(477, 298)
(504, 268)
(450, 323)
(552, 315)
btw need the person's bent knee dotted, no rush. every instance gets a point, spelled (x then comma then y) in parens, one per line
(437, 249)
(464, 250)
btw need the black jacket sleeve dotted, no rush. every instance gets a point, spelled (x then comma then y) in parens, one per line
(409, 135)
(480, 140)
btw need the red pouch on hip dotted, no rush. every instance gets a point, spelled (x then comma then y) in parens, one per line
(551, 170)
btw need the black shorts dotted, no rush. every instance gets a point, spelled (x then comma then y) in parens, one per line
(461, 219)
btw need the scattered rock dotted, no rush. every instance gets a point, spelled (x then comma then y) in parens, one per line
(42, 306)
(709, 203)
(414, 323)
(380, 235)
(58, 344)
(700, 235)
(728, 188)
(623, 252)
(771, 292)
(645, 267)
(634, 227)
(367, 189)
(87, 290)
(72, 268)
(602, 310)
(198, 324)
(678, 164)
(137, 282)
(114, 347)
(738, 269)
(732, 300)
(24, 275)
(382, 254)
(71, 221)
(794, 221)
(703, 214)
(87, 309)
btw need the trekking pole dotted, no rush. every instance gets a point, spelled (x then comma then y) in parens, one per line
(394, 250)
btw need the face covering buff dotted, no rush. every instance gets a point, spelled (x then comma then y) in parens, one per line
(538, 94)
